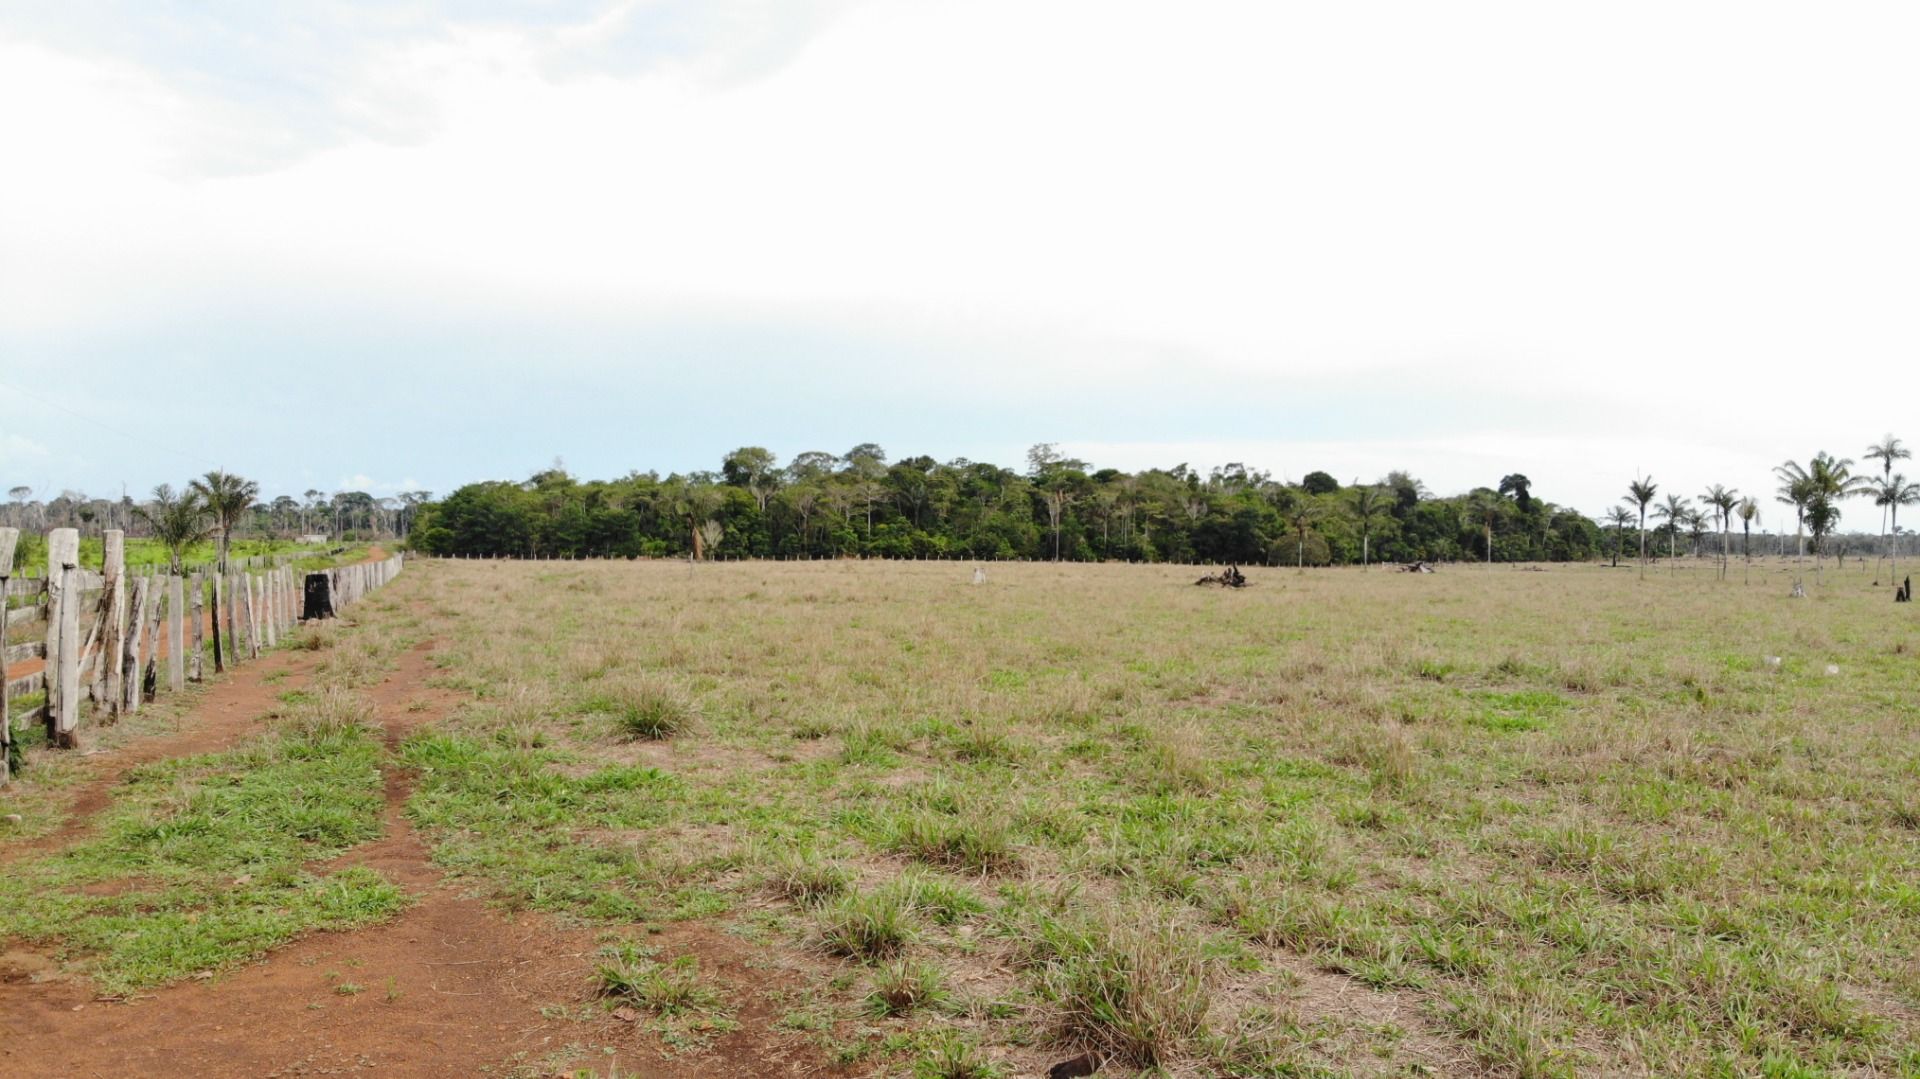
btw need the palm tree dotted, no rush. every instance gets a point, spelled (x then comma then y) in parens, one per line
(1796, 490)
(178, 521)
(1369, 505)
(1830, 479)
(228, 498)
(1723, 500)
(1674, 512)
(1301, 514)
(1886, 451)
(1639, 493)
(1893, 492)
(1749, 511)
(1619, 518)
(1484, 507)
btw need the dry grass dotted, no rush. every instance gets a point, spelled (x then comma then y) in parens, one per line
(1550, 823)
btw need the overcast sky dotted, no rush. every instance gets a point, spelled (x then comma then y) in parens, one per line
(401, 245)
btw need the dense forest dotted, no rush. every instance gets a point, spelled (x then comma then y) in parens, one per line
(859, 503)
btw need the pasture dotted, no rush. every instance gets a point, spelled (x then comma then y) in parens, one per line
(867, 818)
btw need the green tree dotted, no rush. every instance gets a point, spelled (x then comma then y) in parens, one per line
(1674, 512)
(227, 498)
(1886, 451)
(1893, 492)
(1619, 517)
(1485, 508)
(1639, 493)
(178, 521)
(1369, 505)
(1301, 514)
(1722, 499)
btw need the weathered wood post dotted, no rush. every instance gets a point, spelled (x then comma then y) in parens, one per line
(176, 637)
(270, 606)
(253, 615)
(233, 619)
(195, 665)
(8, 538)
(63, 636)
(150, 670)
(213, 582)
(136, 634)
(113, 608)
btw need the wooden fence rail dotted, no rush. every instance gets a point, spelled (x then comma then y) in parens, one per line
(100, 639)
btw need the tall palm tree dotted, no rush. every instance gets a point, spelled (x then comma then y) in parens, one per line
(178, 521)
(1639, 493)
(1722, 499)
(228, 499)
(1301, 515)
(1484, 507)
(1369, 504)
(1796, 490)
(1893, 492)
(1831, 479)
(1886, 451)
(1619, 518)
(1674, 512)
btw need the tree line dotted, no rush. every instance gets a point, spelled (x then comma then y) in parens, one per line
(860, 503)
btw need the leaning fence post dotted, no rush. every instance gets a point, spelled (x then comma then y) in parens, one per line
(63, 634)
(176, 640)
(8, 538)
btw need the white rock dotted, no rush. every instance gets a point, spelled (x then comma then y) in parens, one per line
(1772, 661)
(1833, 668)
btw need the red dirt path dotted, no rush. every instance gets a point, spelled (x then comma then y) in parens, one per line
(449, 987)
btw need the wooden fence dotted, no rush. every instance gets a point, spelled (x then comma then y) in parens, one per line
(101, 638)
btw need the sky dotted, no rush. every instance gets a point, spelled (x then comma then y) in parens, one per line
(408, 245)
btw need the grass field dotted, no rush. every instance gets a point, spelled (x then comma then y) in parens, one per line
(1479, 822)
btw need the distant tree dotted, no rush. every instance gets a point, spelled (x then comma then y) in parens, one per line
(1369, 505)
(1723, 500)
(227, 498)
(1674, 512)
(1886, 451)
(1893, 492)
(1619, 517)
(1485, 509)
(753, 467)
(178, 521)
(1831, 481)
(1796, 490)
(1301, 514)
(1319, 483)
(1639, 493)
(1520, 487)
(1749, 511)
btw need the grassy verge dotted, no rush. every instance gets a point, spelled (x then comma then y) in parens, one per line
(203, 862)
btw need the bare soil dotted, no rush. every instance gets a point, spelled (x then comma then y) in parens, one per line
(451, 987)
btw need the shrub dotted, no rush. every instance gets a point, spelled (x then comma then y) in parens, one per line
(644, 711)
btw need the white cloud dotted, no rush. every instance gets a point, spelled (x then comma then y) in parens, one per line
(1660, 230)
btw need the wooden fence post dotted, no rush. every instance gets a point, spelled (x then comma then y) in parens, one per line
(213, 582)
(150, 670)
(253, 616)
(233, 619)
(176, 639)
(63, 636)
(136, 633)
(113, 629)
(196, 667)
(8, 538)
